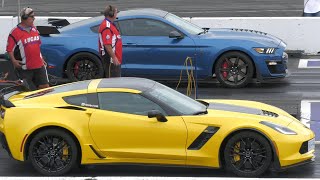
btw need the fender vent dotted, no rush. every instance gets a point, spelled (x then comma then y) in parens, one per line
(203, 138)
(96, 152)
(72, 108)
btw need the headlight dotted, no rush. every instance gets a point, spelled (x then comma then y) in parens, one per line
(265, 50)
(279, 128)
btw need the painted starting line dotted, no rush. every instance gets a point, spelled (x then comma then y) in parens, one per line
(309, 63)
(310, 116)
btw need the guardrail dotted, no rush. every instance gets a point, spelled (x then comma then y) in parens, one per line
(300, 33)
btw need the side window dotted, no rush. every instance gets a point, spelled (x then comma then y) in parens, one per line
(127, 103)
(85, 100)
(144, 27)
(95, 29)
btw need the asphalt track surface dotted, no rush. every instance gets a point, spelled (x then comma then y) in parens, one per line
(287, 94)
(185, 8)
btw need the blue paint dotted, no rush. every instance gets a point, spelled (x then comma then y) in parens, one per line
(313, 63)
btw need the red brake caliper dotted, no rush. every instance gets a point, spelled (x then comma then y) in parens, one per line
(76, 69)
(225, 66)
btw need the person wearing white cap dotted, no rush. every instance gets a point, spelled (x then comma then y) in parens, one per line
(23, 47)
(311, 8)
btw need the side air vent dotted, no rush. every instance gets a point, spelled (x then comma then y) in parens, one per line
(72, 108)
(96, 152)
(203, 138)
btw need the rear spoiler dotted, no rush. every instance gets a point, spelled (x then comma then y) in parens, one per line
(58, 23)
(47, 30)
(20, 86)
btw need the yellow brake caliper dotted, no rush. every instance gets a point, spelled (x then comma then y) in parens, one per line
(65, 152)
(236, 157)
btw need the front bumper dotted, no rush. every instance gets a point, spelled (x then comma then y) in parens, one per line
(291, 149)
(272, 67)
(298, 164)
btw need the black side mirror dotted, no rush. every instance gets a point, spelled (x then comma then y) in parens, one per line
(157, 114)
(175, 34)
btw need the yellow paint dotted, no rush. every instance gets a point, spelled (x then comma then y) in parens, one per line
(126, 138)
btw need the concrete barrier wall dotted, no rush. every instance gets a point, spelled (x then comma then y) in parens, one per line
(300, 33)
(6, 24)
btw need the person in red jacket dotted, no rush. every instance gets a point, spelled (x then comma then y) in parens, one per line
(110, 43)
(23, 47)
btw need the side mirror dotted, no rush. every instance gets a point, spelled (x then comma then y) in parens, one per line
(157, 114)
(175, 34)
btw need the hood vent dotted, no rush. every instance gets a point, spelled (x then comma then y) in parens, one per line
(248, 30)
(270, 114)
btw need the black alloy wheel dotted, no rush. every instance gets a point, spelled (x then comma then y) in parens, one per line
(84, 66)
(234, 70)
(53, 152)
(248, 154)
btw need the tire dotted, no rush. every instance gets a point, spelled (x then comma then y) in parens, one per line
(58, 160)
(84, 66)
(252, 160)
(234, 69)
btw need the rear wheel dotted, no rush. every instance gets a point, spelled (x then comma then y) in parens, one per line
(247, 154)
(84, 66)
(234, 69)
(53, 152)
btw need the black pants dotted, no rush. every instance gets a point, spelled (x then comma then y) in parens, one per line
(110, 69)
(34, 77)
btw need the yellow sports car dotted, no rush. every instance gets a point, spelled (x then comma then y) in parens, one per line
(133, 120)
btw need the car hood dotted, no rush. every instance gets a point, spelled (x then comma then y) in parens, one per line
(251, 108)
(241, 34)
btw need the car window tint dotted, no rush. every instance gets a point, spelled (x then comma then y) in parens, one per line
(144, 27)
(127, 103)
(77, 100)
(85, 100)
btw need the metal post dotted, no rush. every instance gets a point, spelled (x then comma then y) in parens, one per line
(19, 8)
(196, 79)
(2, 4)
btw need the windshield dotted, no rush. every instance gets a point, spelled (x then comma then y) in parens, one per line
(181, 103)
(184, 24)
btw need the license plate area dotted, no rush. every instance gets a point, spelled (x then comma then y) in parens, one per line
(311, 145)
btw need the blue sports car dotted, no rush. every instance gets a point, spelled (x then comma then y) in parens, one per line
(156, 44)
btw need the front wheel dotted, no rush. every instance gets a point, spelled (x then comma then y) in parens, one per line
(53, 152)
(247, 154)
(234, 69)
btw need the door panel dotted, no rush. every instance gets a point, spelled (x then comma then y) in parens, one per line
(126, 136)
(149, 52)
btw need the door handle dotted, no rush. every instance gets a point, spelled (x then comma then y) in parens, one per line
(89, 113)
(131, 44)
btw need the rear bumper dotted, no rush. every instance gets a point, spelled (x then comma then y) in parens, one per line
(4, 143)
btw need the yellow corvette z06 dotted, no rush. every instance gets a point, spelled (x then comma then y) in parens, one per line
(133, 120)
